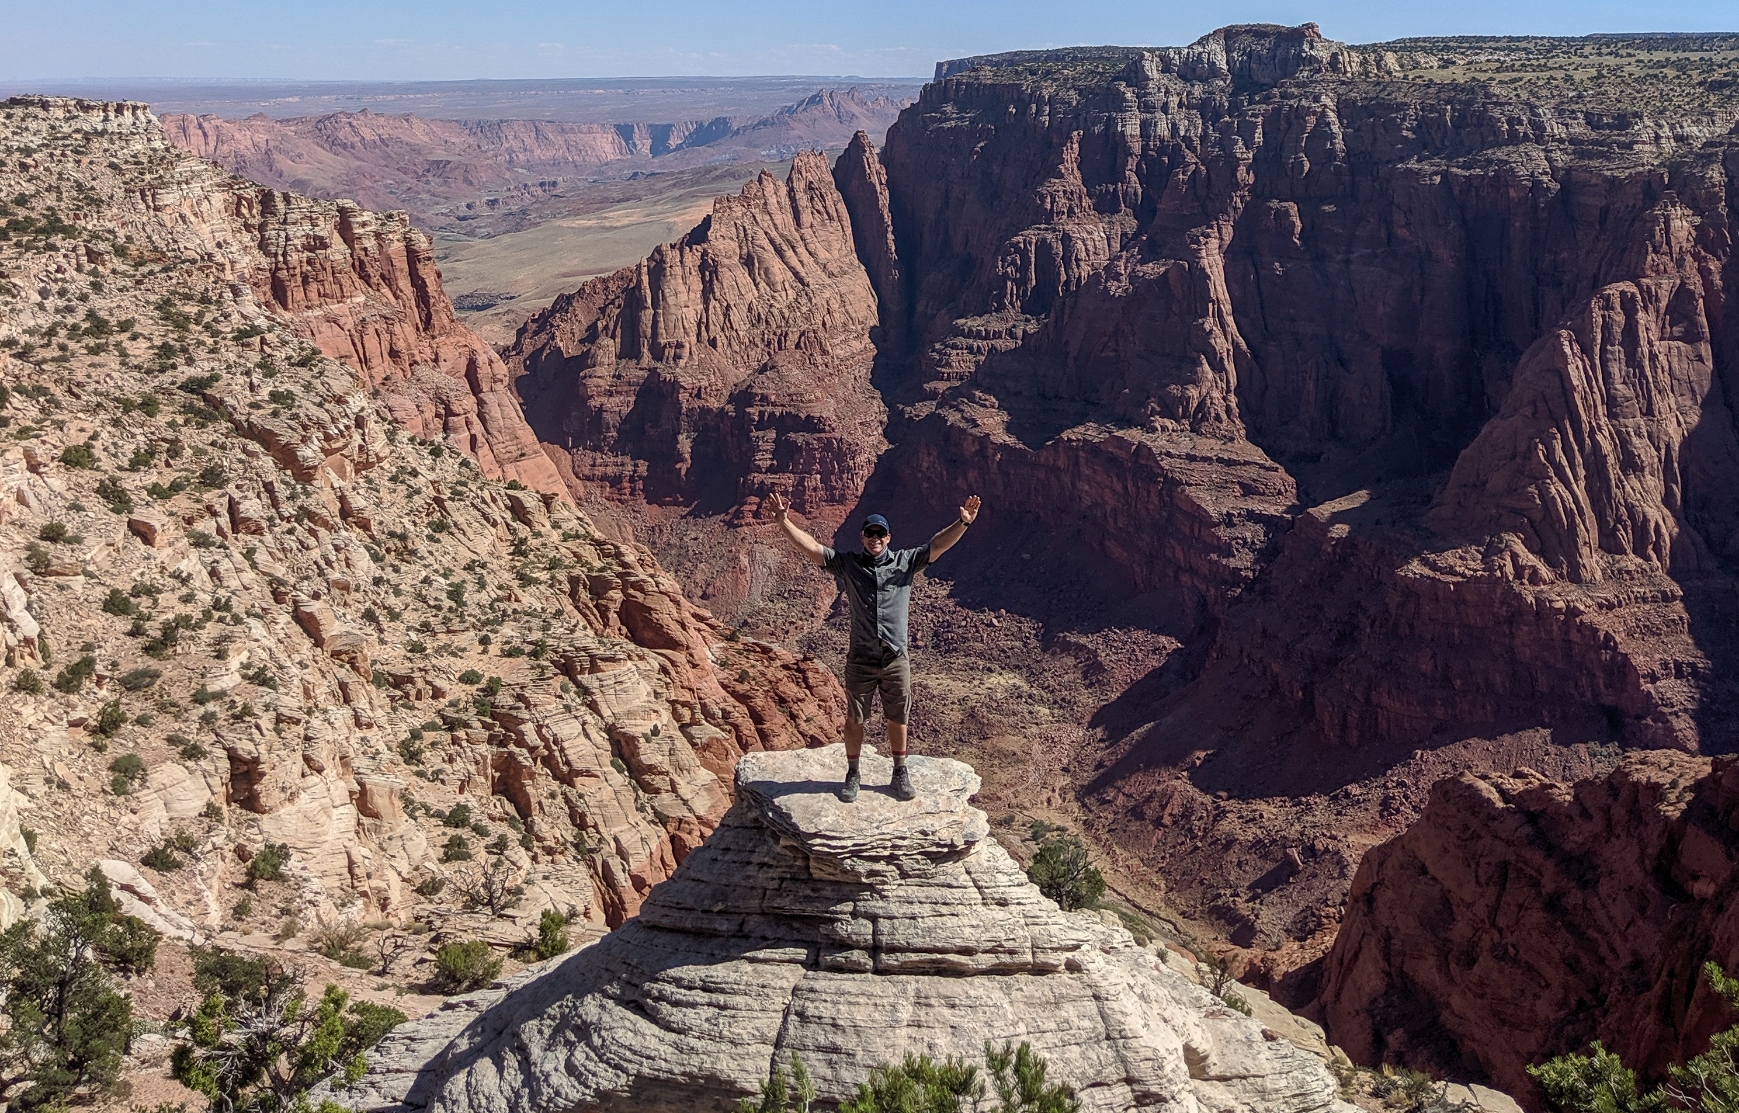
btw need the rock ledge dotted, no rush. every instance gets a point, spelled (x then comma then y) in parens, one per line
(849, 935)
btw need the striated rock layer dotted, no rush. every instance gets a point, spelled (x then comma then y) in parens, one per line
(847, 935)
(364, 288)
(1520, 917)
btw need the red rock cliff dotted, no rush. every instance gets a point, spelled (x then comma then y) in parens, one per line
(364, 288)
(1520, 918)
(1406, 399)
(730, 363)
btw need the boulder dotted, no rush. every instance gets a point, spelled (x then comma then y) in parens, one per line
(138, 897)
(849, 935)
(152, 529)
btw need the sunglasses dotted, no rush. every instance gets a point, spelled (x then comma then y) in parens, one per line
(875, 531)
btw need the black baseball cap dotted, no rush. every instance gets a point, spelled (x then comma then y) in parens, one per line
(877, 520)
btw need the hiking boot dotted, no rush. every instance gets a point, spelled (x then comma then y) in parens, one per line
(848, 791)
(902, 784)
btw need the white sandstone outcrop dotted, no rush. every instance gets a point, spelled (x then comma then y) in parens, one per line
(849, 935)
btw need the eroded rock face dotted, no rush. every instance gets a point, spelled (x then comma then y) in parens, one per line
(726, 365)
(848, 935)
(313, 629)
(362, 286)
(1429, 483)
(1519, 918)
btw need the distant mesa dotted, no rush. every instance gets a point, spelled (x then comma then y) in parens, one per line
(421, 164)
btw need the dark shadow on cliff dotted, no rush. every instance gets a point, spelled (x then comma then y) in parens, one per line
(1014, 560)
(1709, 462)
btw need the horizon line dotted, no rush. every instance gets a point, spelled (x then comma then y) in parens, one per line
(887, 79)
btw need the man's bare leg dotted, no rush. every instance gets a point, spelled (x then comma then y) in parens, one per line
(896, 741)
(854, 740)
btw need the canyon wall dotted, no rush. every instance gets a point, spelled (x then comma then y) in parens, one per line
(739, 353)
(1521, 917)
(1387, 393)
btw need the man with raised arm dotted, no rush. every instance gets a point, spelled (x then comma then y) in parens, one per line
(877, 582)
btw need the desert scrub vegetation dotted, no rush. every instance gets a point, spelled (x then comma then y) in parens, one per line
(1013, 1082)
(463, 967)
(66, 1017)
(1062, 871)
(1599, 1082)
(256, 1043)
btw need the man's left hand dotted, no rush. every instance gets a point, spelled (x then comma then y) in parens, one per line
(969, 509)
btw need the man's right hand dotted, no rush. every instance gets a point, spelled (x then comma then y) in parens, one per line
(779, 505)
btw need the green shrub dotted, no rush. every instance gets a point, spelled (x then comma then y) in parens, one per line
(459, 817)
(212, 475)
(162, 858)
(269, 863)
(1599, 1082)
(187, 747)
(552, 935)
(52, 532)
(65, 1019)
(115, 496)
(1062, 871)
(470, 676)
(456, 850)
(128, 766)
(27, 683)
(117, 603)
(73, 677)
(462, 967)
(110, 718)
(78, 456)
(256, 1043)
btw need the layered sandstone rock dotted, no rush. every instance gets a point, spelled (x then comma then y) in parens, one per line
(847, 935)
(731, 363)
(364, 288)
(1438, 488)
(1519, 918)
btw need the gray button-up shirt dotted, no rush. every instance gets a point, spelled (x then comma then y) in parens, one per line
(879, 591)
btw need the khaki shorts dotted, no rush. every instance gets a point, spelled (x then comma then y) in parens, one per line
(888, 673)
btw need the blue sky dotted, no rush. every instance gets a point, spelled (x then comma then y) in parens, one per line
(445, 39)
